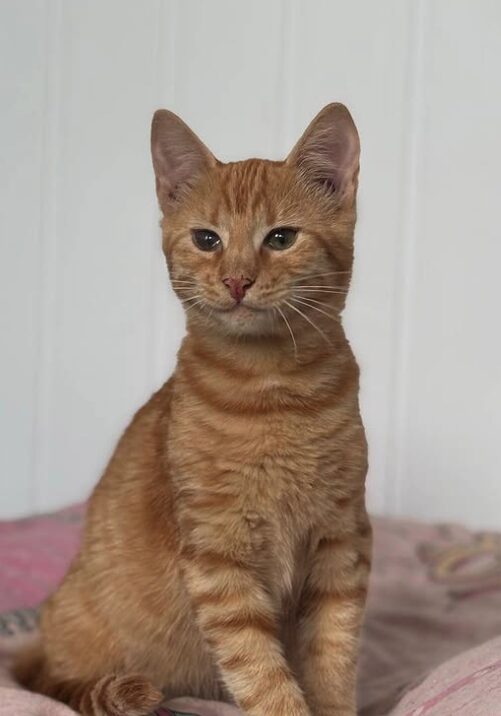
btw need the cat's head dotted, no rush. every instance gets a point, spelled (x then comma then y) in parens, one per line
(259, 247)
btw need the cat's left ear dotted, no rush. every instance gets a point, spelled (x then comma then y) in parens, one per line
(179, 158)
(328, 153)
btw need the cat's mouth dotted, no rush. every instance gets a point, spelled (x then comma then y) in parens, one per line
(242, 308)
(241, 318)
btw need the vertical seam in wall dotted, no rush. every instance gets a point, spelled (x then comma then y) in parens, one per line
(405, 265)
(285, 78)
(153, 345)
(47, 250)
(284, 90)
(167, 16)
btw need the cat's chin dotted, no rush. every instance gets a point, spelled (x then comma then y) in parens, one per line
(243, 320)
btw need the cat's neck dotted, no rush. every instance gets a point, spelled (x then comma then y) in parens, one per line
(262, 355)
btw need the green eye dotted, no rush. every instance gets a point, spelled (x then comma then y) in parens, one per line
(205, 239)
(280, 239)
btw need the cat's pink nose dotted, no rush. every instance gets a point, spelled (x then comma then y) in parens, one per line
(237, 286)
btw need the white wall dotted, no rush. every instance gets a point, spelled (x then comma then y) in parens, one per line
(88, 324)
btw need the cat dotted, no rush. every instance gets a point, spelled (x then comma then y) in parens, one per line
(227, 546)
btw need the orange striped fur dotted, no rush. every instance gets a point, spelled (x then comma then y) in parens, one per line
(227, 546)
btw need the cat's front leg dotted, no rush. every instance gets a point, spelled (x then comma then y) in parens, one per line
(331, 613)
(237, 618)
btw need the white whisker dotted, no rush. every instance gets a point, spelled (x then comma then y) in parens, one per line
(290, 330)
(315, 308)
(323, 285)
(309, 289)
(327, 273)
(313, 300)
(192, 305)
(294, 308)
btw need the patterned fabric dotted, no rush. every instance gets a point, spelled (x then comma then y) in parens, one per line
(468, 685)
(18, 620)
(435, 593)
(34, 555)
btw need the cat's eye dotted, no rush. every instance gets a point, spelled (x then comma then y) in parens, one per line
(280, 239)
(205, 239)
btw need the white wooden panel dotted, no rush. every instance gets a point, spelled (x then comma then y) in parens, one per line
(227, 74)
(453, 393)
(220, 69)
(22, 91)
(89, 324)
(357, 53)
(98, 370)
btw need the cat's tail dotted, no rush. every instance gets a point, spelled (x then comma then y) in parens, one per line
(110, 695)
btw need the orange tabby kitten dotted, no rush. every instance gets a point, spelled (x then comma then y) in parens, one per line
(227, 546)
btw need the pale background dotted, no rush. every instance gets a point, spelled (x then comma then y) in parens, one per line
(88, 325)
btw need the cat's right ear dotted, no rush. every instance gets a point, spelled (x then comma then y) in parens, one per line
(179, 158)
(328, 152)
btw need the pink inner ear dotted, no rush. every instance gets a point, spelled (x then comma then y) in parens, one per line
(328, 152)
(330, 159)
(179, 157)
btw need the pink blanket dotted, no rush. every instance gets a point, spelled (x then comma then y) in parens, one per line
(435, 594)
(17, 628)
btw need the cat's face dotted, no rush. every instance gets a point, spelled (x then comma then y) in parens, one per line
(259, 247)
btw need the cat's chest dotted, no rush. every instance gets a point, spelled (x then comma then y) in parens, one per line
(279, 502)
(277, 467)
(265, 481)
